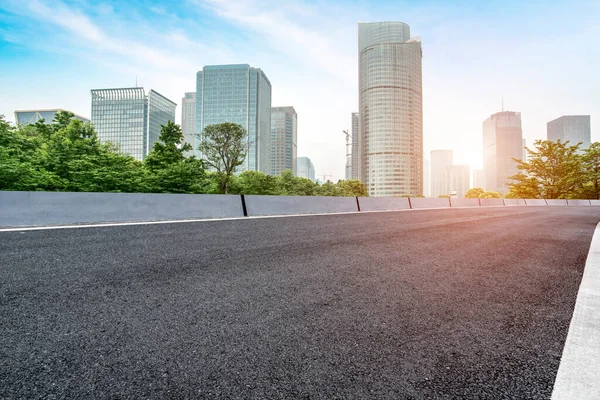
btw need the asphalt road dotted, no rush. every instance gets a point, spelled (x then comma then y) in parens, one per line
(465, 304)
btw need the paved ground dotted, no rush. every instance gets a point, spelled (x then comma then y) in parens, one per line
(465, 304)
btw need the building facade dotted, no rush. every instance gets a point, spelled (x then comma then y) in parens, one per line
(239, 94)
(478, 179)
(131, 119)
(390, 107)
(306, 169)
(426, 191)
(355, 157)
(27, 117)
(188, 118)
(441, 161)
(574, 128)
(284, 140)
(502, 141)
(459, 179)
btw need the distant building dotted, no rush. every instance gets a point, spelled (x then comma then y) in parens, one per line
(425, 177)
(27, 117)
(502, 141)
(130, 118)
(355, 168)
(284, 140)
(441, 161)
(239, 94)
(478, 179)
(306, 169)
(391, 109)
(524, 156)
(188, 118)
(459, 179)
(574, 128)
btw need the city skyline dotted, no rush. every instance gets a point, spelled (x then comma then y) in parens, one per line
(456, 98)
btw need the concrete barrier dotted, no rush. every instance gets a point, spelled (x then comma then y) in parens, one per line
(556, 202)
(419, 202)
(514, 202)
(594, 202)
(286, 205)
(491, 202)
(383, 203)
(456, 202)
(578, 202)
(535, 202)
(64, 208)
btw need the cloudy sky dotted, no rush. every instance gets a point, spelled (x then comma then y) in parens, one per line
(542, 56)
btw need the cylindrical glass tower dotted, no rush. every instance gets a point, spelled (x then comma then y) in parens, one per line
(391, 109)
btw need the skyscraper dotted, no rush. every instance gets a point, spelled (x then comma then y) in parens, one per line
(459, 179)
(306, 169)
(426, 178)
(188, 118)
(502, 141)
(239, 94)
(130, 118)
(574, 128)
(478, 179)
(390, 101)
(26, 117)
(441, 161)
(284, 139)
(355, 158)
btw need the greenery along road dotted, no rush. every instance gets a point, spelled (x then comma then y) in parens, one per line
(67, 156)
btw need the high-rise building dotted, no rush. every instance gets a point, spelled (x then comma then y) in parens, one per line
(26, 117)
(306, 169)
(130, 118)
(239, 94)
(441, 161)
(459, 179)
(524, 150)
(574, 128)
(425, 177)
(284, 139)
(355, 160)
(502, 141)
(478, 179)
(188, 118)
(390, 101)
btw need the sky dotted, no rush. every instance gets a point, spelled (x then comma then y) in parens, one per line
(542, 57)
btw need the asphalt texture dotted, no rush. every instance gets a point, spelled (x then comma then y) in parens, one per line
(440, 304)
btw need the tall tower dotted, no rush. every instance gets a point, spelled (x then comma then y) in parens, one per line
(188, 118)
(355, 158)
(242, 95)
(502, 141)
(441, 161)
(390, 109)
(574, 128)
(284, 140)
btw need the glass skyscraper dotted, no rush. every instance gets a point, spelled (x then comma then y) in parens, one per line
(574, 128)
(239, 94)
(355, 158)
(390, 109)
(284, 139)
(188, 118)
(306, 169)
(441, 161)
(131, 119)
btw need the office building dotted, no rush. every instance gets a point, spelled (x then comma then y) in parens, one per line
(502, 141)
(478, 179)
(355, 158)
(284, 139)
(188, 118)
(524, 150)
(425, 177)
(459, 179)
(574, 128)
(131, 119)
(306, 169)
(239, 94)
(441, 161)
(27, 117)
(391, 117)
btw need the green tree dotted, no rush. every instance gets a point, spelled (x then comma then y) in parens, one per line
(330, 189)
(352, 188)
(290, 185)
(591, 170)
(490, 195)
(474, 193)
(553, 170)
(222, 146)
(255, 182)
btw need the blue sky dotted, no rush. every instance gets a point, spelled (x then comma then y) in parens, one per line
(542, 56)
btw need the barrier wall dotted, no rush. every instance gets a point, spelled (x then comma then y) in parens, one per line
(285, 205)
(536, 202)
(491, 202)
(429, 203)
(594, 202)
(464, 202)
(578, 202)
(383, 203)
(514, 202)
(63, 208)
(556, 202)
